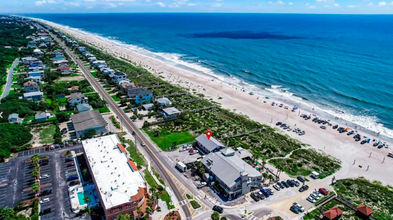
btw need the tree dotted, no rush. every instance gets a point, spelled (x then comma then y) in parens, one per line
(62, 117)
(89, 133)
(123, 217)
(86, 199)
(201, 170)
(223, 218)
(36, 187)
(270, 177)
(7, 213)
(215, 216)
(264, 175)
(85, 172)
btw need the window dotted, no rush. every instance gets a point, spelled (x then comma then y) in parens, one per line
(120, 208)
(111, 211)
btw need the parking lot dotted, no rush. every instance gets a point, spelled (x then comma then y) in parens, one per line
(16, 182)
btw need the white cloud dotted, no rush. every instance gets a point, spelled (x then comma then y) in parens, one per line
(280, 2)
(217, 5)
(336, 5)
(42, 2)
(391, 3)
(89, 0)
(370, 4)
(325, 1)
(307, 4)
(162, 5)
(290, 3)
(191, 4)
(382, 4)
(351, 6)
(73, 4)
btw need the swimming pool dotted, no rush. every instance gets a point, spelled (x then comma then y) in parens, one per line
(81, 197)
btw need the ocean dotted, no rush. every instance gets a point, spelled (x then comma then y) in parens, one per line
(339, 65)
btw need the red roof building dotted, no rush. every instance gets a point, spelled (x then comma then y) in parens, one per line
(364, 210)
(333, 213)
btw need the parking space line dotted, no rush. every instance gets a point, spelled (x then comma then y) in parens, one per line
(184, 192)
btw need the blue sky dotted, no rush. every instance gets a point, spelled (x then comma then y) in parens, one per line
(258, 6)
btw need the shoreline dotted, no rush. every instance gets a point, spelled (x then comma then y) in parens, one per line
(341, 146)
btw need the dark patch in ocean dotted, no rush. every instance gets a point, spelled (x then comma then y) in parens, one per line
(241, 35)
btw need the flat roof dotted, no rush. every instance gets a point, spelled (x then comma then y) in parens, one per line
(116, 177)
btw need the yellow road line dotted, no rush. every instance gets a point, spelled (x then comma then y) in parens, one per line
(184, 192)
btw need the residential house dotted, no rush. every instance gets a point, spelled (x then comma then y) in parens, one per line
(82, 49)
(89, 120)
(41, 117)
(59, 57)
(125, 84)
(98, 62)
(36, 79)
(42, 46)
(64, 69)
(34, 96)
(148, 107)
(108, 71)
(83, 107)
(60, 62)
(332, 214)
(32, 44)
(31, 86)
(39, 73)
(117, 77)
(29, 60)
(162, 102)
(38, 52)
(171, 112)
(207, 145)
(74, 88)
(140, 95)
(14, 118)
(77, 98)
(234, 176)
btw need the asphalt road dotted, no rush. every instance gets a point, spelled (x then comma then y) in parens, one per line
(9, 79)
(130, 126)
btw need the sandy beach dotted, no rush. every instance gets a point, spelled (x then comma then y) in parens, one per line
(356, 158)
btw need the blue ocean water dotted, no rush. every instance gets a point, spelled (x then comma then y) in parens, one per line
(338, 64)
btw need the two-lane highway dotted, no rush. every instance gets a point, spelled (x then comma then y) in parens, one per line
(130, 126)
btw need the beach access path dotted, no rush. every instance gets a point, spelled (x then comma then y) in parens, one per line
(9, 79)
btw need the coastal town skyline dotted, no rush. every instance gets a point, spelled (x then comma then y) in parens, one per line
(204, 6)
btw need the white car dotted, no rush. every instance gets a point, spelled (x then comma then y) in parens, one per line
(44, 200)
(315, 196)
(44, 176)
(299, 207)
(311, 199)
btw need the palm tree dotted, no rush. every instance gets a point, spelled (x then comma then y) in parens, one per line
(270, 177)
(36, 187)
(86, 199)
(265, 175)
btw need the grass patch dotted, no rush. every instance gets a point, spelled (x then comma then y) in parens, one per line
(114, 97)
(136, 156)
(372, 194)
(46, 135)
(90, 94)
(189, 196)
(103, 109)
(195, 204)
(94, 74)
(166, 140)
(31, 118)
(74, 74)
(115, 122)
(49, 101)
(16, 86)
(62, 100)
(164, 196)
(304, 161)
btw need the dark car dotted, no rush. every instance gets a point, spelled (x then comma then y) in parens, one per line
(303, 188)
(294, 209)
(335, 127)
(46, 192)
(44, 163)
(290, 183)
(285, 184)
(297, 184)
(73, 177)
(218, 209)
(301, 178)
(73, 183)
(64, 130)
(70, 165)
(45, 211)
(363, 142)
(281, 185)
(278, 123)
(265, 192)
(68, 159)
(255, 197)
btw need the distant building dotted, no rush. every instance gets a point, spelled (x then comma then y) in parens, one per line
(33, 96)
(231, 173)
(77, 98)
(83, 107)
(108, 71)
(36, 79)
(90, 120)
(41, 117)
(28, 60)
(31, 86)
(162, 102)
(207, 146)
(171, 112)
(140, 95)
(35, 73)
(125, 84)
(120, 186)
(14, 118)
(98, 62)
(148, 107)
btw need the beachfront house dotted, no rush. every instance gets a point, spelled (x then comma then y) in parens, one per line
(234, 176)
(82, 49)
(14, 118)
(163, 102)
(89, 120)
(207, 145)
(33, 96)
(125, 84)
(83, 108)
(108, 71)
(31, 86)
(171, 112)
(139, 95)
(98, 63)
(117, 77)
(77, 98)
(41, 117)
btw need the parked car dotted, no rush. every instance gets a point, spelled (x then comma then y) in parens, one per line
(70, 165)
(194, 152)
(285, 184)
(294, 209)
(323, 191)
(261, 196)
(73, 177)
(278, 123)
(323, 127)
(311, 199)
(281, 185)
(335, 127)
(46, 192)
(201, 185)
(255, 197)
(298, 206)
(44, 176)
(276, 187)
(289, 182)
(64, 130)
(73, 183)
(297, 184)
(218, 209)
(315, 196)
(69, 159)
(45, 211)
(44, 200)
(301, 178)
(303, 188)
